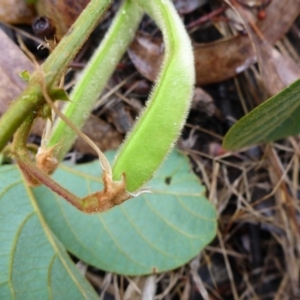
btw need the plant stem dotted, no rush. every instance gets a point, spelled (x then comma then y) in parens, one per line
(114, 193)
(53, 68)
(33, 175)
(96, 75)
(32, 172)
(19, 148)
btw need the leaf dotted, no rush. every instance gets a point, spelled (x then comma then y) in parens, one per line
(276, 118)
(218, 60)
(25, 75)
(33, 263)
(11, 65)
(151, 233)
(16, 12)
(146, 53)
(277, 70)
(62, 13)
(59, 94)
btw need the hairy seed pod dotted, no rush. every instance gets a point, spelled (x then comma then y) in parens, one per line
(159, 126)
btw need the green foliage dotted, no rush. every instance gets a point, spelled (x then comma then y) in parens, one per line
(162, 230)
(158, 231)
(51, 70)
(276, 118)
(33, 263)
(95, 76)
(151, 233)
(167, 106)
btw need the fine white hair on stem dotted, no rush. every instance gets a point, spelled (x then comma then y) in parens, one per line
(102, 159)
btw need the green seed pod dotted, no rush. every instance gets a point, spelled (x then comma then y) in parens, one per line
(159, 126)
(153, 135)
(95, 76)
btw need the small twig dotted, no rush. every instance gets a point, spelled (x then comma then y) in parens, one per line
(102, 159)
(228, 267)
(31, 98)
(206, 17)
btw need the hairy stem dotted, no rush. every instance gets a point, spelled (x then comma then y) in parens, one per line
(96, 75)
(55, 65)
(105, 166)
(114, 193)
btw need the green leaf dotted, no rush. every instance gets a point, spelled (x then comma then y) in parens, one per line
(276, 118)
(59, 94)
(153, 232)
(33, 263)
(25, 75)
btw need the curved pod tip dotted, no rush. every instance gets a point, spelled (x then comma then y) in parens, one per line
(160, 124)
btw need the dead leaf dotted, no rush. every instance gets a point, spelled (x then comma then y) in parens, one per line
(16, 12)
(286, 68)
(228, 57)
(221, 60)
(12, 62)
(277, 71)
(187, 6)
(61, 12)
(120, 117)
(202, 101)
(146, 53)
(102, 134)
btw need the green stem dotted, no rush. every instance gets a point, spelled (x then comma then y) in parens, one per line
(19, 148)
(32, 172)
(33, 175)
(53, 68)
(95, 76)
(157, 129)
(160, 124)
(114, 193)
(21, 135)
